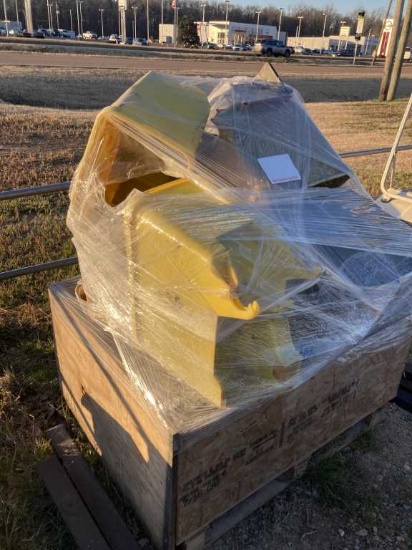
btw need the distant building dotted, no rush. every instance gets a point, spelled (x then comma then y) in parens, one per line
(225, 32)
(365, 45)
(230, 32)
(166, 34)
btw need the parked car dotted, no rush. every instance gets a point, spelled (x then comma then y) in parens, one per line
(272, 47)
(326, 52)
(129, 40)
(47, 32)
(344, 53)
(114, 39)
(68, 34)
(210, 45)
(238, 47)
(38, 34)
(140, 42)
(89, 35)
(24, 34)
(247, 48)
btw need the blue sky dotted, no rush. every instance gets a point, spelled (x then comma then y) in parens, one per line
(342, 7)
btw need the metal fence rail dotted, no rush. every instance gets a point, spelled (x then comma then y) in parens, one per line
(64, 186)
(32, 191)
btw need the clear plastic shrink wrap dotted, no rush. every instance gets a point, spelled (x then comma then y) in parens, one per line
(227, 248)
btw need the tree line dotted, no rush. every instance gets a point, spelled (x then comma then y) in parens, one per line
(314, 20)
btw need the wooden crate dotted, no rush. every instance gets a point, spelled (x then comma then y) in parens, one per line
(181, 475)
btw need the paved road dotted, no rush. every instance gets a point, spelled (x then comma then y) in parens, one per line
(187, 66)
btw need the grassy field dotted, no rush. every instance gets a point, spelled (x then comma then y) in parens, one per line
(44, 129)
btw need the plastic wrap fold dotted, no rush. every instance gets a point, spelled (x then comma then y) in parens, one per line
(226, 246)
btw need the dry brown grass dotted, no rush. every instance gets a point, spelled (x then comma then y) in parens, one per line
(40, 145)
(366, 125)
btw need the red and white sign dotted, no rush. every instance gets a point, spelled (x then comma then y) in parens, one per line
(384, 41)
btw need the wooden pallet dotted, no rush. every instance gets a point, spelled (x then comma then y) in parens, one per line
(404, 395)
(230, 519)
(89, 514)
(95, 523)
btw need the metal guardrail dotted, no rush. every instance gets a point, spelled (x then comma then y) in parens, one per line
(64, 186)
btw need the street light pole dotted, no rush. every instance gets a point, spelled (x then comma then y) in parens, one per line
(203, 6)
(81, 17)
(340, 34)
(257, 24)
(71, 20)
(5, 17)
(101, 10)
(367, 42)
(161, 22)
(300, 17)
(174, 6)
(280, 21)
(49, 14)
(57, 16)
(78, 17)
(147, 20)
(325, 15)
(227, 2)
(134, 8)
(17, 13)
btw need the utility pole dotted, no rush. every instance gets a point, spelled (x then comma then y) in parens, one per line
(400, 52)
(390, 56)
(29, 17)
(71, 20)
(17, 13)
